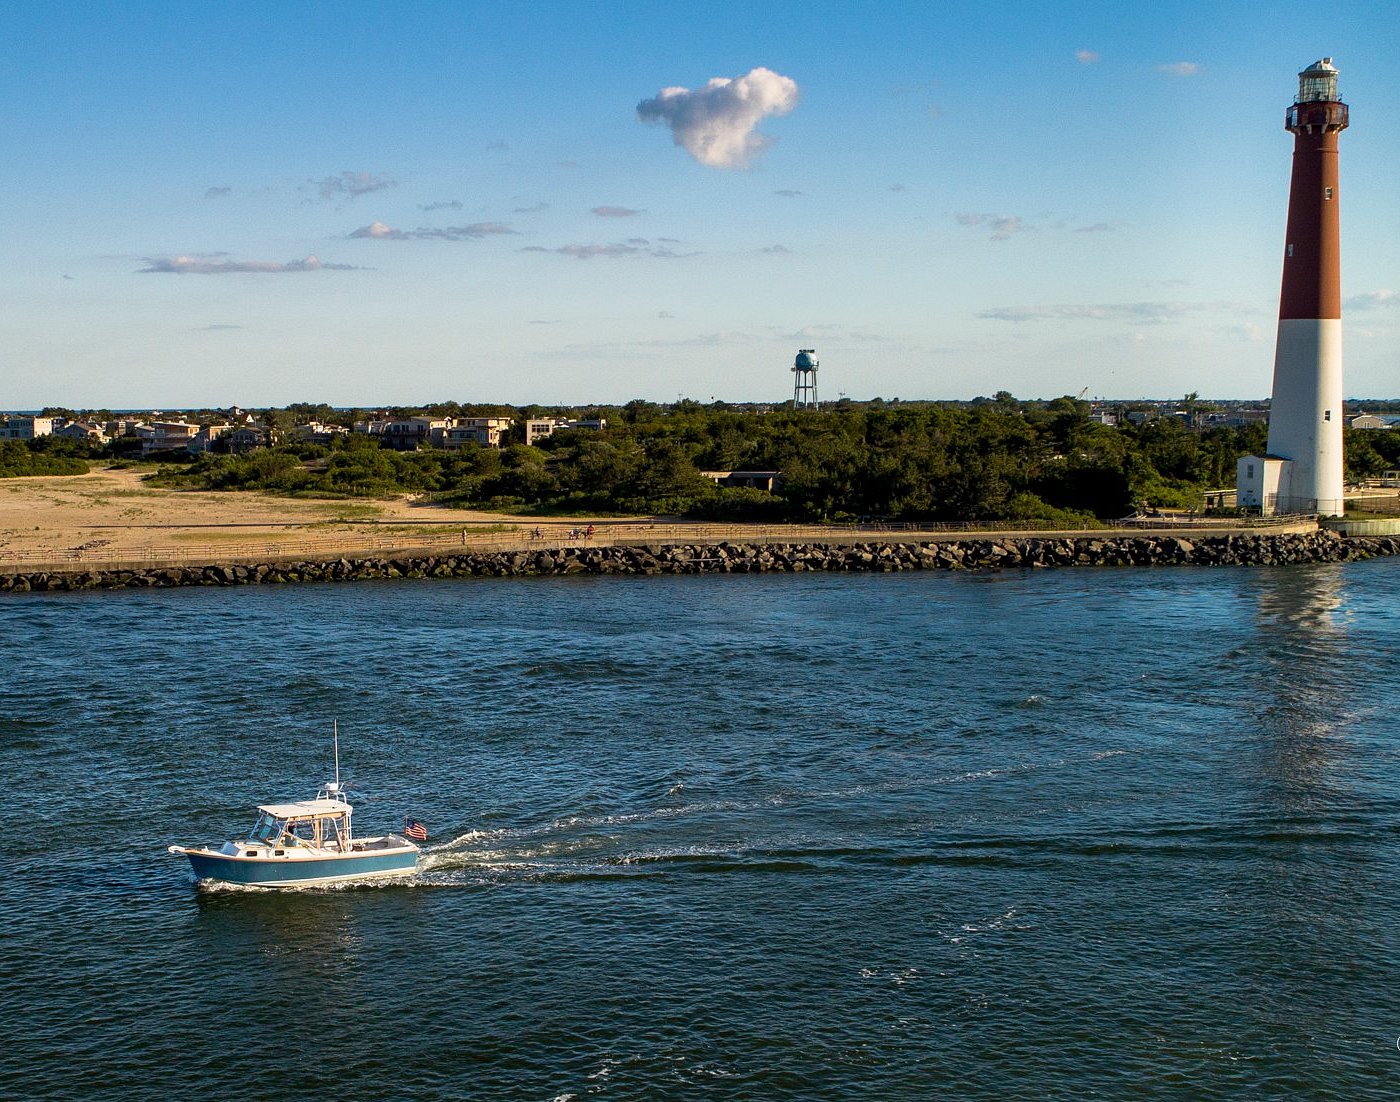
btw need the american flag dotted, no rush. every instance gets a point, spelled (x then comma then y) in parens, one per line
(412, 828)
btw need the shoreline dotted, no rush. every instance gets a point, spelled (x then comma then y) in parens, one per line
(725, 557)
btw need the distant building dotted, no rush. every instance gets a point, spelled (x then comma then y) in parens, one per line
(167, 436)
(408, 434)
(757, 480)
(488, 432)
(25, 428)
(82, 430)
(316, 433)
(539, 427)
(245, 438)
(124, 426)
(1370, 421)
(175, 436)
(203, 440)
(412, 433)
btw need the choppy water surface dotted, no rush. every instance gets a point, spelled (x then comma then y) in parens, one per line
(1114, 833)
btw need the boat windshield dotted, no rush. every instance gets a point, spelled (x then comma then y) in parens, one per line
(265, 829)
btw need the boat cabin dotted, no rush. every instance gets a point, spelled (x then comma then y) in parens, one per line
(322, 823)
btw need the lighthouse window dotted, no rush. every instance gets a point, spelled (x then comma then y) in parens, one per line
(1290, 248)
(1327, 415)
(1327, 193)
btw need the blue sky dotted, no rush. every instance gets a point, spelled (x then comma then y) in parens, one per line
(374, 204)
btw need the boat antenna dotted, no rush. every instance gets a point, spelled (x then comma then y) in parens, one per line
(335, 741)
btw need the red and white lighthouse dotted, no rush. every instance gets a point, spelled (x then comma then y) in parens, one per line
(1303, 471)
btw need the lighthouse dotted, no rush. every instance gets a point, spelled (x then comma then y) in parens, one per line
(1302, 472)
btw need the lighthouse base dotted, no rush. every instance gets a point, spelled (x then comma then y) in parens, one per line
(1305, 416)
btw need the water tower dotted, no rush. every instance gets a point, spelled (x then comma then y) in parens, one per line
(804, 376)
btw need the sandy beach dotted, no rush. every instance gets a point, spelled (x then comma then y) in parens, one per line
(112, 516)
(114, 513)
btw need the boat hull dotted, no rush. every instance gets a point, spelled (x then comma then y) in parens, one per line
(302, 872)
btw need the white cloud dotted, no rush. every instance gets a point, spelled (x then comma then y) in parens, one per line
(220, 264)
(475, 231)
(1371, 300)
(1180, 69)
(636, 246)
(1001, 225)
(716, 124)
(1139, 312)
(1086, 57)
(349, 185)
(616, 212)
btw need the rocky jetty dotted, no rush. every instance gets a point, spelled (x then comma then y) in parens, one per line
(1021, 552)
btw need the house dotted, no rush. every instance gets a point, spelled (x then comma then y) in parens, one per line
(313, 432)
(245, 438)
(412, 433)
(538, 427)
(1370, 421)
(167, 436)
(203, 440)
(82, 430)
(756, 480)
(408, 434)
(25, 428)
(489, 432)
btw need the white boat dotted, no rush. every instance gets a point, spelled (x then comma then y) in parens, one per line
(305, 843)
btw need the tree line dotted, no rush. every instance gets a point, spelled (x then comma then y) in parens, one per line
(995, 459)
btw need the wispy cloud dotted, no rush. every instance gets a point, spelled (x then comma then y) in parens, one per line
(351, 185)
(532, 210)
(380, 231)
(1372, 300)
(1101, 227)
(217, 328)
(616, 212)
(788, 193)
(717, 124)
(1002, 226)
(898, 187)
(1180, 69)
(832, 333)
(221, 264)
(1139, 312)
(778, 250)
(635, 247)
(1086, 57)
(218, 192)
(443, 204)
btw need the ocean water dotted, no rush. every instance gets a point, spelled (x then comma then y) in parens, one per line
(1052, 834)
